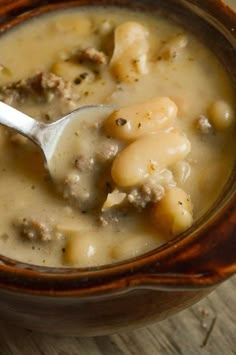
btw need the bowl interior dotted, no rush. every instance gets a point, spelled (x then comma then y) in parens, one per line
(210, 21)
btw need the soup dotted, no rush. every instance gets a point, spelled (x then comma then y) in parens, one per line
(128, 180)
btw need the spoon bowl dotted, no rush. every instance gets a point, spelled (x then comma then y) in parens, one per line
(48, 136)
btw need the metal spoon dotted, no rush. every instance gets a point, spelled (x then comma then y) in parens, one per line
(48, 136)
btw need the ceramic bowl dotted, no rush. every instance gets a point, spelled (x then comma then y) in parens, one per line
(156, 285)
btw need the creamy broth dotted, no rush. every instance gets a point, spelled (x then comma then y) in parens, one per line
(65, 60)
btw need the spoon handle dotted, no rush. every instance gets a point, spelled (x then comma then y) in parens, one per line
(20, 122)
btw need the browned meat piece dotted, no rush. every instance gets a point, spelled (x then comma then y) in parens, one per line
(108, 219)
(78, 191)
(43, 87)
(138, 197)
(107, 151)
(141, 196)
(87, 185)
(204, 125)
(113, 216)
(33, 229)
(92, 55)
(84, 164)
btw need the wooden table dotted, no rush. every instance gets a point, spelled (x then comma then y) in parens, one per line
(208, 328)
(231, 3)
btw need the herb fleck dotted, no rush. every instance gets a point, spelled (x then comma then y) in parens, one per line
(108, 187)
(83, 75)
(47, 117)
(121, 122)
(77, 81)
(209, 333)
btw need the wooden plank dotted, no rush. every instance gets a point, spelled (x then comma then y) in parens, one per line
(231, 3)
(183, 334)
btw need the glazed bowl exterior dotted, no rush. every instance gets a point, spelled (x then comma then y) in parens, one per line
(149, 288)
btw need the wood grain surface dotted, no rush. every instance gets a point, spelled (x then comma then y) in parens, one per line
(231, 3)
(208, 328)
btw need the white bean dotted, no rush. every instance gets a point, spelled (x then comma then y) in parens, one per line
(221, 114)
(181, 171)
(148, 155)
(129, 59)
(83, 250)
(172, 48)
(173, 214)
(129, 123)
